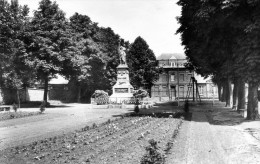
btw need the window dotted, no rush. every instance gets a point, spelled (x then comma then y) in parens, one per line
(172, 77)
(163, 78)
(181, 77)
(189, 76)
(201, 90)
(172, 64)
(164, 90)
(181, 92)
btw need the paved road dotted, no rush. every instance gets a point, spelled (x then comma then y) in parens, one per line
(55, 121)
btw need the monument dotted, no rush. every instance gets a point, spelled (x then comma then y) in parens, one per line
(122, 90)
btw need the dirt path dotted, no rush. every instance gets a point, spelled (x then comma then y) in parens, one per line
(203, 145)
(217, 135)
(55, 121)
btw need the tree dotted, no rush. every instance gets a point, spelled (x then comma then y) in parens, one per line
(142, 64)
(13, 73)
(98, 46)
(220, 39)
(46, 52)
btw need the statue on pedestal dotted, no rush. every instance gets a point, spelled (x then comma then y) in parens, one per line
(122, 55)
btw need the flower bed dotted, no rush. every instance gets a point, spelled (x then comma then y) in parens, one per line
(13, 115)
(120, 141)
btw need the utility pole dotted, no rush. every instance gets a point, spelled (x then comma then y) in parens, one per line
(178, 83)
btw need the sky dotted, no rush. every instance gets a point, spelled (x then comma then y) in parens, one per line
(153, 20)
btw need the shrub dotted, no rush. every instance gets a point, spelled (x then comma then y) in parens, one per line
(137, 110)
(152, 155)
(12, 116)
(15, 107)
(101, 97)
(43, 106)
(140, 93)
(86, 128)
(94, 126)
(186, 106)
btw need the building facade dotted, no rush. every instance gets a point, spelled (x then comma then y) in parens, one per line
(176, 81)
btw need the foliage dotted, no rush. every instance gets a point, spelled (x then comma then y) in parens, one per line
(97, 59)
(47, 44)
(152, 155)
(137, 103)
(137, 110)
(13, 21)
(15, 107)
(140, 93)
(142, 64)
(220, 39)
(186, 106)
(100, 94)
(46, 51)
(43, 106)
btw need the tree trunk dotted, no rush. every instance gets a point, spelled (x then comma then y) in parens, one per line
(46, 83)
(18, 97)
(228, 93)
(224, 92)
(252, 106)
(241, 95)
(235, 94)
(79, 94)
(219, 92)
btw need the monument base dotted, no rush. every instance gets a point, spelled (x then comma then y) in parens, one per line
(122, 90)
(121, 98)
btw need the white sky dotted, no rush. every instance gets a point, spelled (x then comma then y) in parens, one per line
(153, 20)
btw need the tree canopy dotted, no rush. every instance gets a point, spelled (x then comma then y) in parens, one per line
(220, 40)
(142, 64)
(40, 47)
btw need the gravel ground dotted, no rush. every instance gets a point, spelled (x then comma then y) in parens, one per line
(217, 134)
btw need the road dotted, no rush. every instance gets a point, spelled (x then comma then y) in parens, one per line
(55, 121)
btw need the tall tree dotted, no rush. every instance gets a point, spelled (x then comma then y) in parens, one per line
(142, 64)
(220, 40)
(50, 41)
(13, 72)
(98, 46)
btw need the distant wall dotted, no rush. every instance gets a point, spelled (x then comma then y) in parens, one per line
(36, 94)
(9, 96)
(58, 92)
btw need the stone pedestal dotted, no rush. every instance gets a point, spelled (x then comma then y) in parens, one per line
(122, 90)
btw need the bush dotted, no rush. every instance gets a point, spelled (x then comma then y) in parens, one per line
(186, 106)
(137, 110)
(101, 97)
(43, 106)
(140, 93)
(152, 155)
(94, 126)
(15, 107)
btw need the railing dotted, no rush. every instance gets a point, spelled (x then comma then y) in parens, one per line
(118, 100)
(173, 63)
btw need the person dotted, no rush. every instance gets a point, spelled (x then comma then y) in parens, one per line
(122, 55)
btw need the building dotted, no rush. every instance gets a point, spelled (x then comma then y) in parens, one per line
(176, 81)
(58, 88)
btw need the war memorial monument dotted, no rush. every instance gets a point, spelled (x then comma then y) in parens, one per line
(122, 90)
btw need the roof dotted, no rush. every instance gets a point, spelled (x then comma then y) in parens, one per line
(166, 56)
(59, 80)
